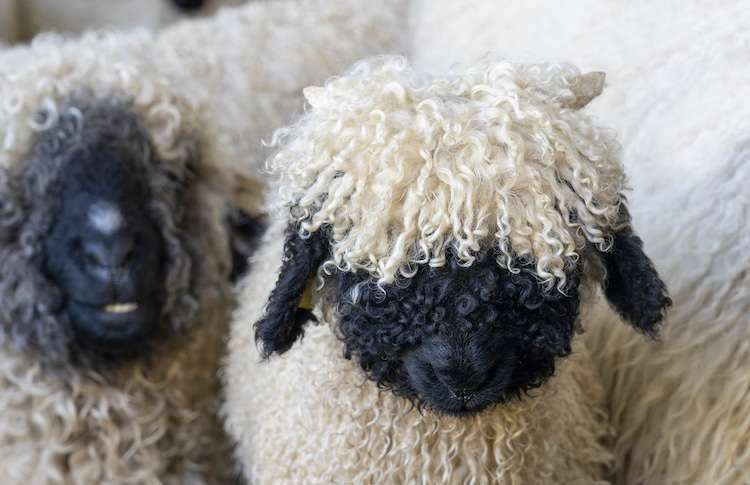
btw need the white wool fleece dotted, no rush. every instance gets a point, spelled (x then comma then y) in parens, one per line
(404, 166)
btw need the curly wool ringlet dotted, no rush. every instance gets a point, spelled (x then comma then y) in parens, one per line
(403, 167)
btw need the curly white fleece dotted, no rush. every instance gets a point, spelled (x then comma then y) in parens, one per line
(403, 166)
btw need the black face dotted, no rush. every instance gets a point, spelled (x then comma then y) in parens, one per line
(105, 252)
(458, 339)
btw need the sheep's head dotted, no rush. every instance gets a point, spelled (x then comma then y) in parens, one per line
(459, 224)
(97, 256)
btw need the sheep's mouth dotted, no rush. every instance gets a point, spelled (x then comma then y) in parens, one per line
(114, 323)
(120, 308)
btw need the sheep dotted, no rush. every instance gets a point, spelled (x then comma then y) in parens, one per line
(115, 296)
(112, 153)
(432, 209)
(679, 406)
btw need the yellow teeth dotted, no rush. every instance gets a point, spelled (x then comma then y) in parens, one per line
(120, 307)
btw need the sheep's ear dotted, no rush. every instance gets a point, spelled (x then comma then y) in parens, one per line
(585, 88)
(632, 286)
(283, 321)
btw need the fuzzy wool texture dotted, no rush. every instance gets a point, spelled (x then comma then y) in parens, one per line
(680, 406)
(150, 422)
(403, 167)
(311, 416)
(220, 65)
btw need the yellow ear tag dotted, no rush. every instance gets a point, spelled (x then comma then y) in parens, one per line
(306, 302)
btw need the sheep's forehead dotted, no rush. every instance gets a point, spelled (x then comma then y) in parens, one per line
(402, 171)
(105, 217)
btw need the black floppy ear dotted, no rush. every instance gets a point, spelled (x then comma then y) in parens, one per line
(282, 323)
(633, 287)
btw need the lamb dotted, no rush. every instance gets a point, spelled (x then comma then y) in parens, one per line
(114, 262)
(679, 406)
(446, 218)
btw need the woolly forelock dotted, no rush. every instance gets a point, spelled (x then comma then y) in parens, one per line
(67, 82)
(404, 167)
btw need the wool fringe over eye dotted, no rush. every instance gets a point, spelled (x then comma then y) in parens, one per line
(404, 167)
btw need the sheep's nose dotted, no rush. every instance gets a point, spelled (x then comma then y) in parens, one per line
(461, 379)
(104, 255)
(188, 5)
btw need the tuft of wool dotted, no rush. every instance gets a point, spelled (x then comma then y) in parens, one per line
(311, 416)
(404, 167)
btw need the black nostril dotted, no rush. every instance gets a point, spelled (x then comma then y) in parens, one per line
(188, 5)
(463, 395)
(111, 253)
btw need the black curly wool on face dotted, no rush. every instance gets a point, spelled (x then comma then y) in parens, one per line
(105, 251)
(459, 339)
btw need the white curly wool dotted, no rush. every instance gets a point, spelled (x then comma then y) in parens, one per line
(311, 416)
(404, 166)
(677, 78)
(217, 84)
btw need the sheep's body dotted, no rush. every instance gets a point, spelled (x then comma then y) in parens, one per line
(195, 87)
(151, 422)
(311, 416)
(680, 406)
